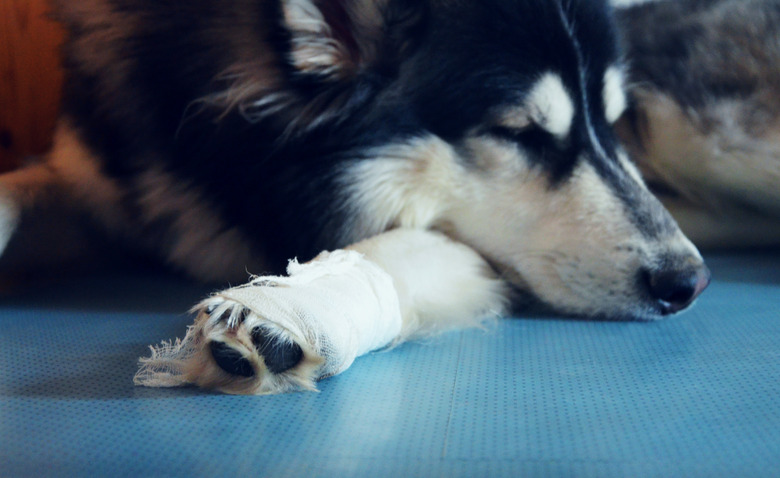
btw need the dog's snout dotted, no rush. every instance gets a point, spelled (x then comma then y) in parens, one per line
(675, 288)
(230, 360)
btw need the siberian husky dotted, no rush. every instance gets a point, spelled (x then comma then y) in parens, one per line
(453, 151)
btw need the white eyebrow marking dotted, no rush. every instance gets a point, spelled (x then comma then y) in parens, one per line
(614, 96)
(550, 105)
(594, 138)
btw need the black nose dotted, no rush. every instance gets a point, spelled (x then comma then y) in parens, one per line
(675, 288)
(230, 360)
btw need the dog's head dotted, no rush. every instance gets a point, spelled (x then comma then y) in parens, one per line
(500, 116)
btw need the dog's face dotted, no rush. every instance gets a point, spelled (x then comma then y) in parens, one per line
(515, 156)
(527, 100)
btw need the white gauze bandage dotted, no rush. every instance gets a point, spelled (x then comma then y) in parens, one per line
(336, 307)
(340, 304)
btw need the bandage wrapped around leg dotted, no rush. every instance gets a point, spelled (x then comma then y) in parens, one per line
(335, 308)
(277, 334)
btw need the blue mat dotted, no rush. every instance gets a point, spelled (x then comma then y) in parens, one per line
(696, 395)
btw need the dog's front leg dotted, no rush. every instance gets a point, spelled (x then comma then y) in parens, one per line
(277, 334)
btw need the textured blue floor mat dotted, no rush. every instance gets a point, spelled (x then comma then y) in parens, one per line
(696, 395)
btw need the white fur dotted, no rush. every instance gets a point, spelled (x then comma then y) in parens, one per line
(441, 284)
(404, 185)
(614, 95)
(550, 105)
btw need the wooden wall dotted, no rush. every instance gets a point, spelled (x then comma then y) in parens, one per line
(30, 79)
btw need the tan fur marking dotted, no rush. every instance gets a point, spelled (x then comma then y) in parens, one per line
(723, 167)
(75, 165)
(199, 242)
(95, 49)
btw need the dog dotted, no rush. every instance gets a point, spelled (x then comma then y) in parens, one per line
(704, 126)
(447, 148)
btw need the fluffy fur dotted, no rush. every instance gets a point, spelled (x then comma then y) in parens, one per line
(226, 137)
(704, 125)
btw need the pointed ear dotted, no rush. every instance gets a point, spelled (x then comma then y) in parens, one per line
(337, 38)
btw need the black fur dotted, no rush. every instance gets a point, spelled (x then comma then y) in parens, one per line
(442, 67)
(699, 50)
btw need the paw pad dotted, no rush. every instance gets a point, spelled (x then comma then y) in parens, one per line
(279, 355)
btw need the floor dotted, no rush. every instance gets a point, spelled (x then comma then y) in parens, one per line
(695, 395)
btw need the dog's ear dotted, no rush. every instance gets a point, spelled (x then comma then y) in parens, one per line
(337, 38)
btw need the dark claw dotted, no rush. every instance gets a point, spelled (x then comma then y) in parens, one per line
(279, 355)
(242, 317)
(226, 316)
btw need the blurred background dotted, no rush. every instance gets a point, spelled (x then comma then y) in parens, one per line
(30, 79)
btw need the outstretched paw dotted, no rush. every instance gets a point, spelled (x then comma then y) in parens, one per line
(245, 353)
(279, 334)
(278, 353)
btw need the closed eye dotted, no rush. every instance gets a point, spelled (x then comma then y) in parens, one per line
(511, 133)
(540, 148)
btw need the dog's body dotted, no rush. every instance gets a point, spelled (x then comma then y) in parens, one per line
(706, 119)
(226, 136)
